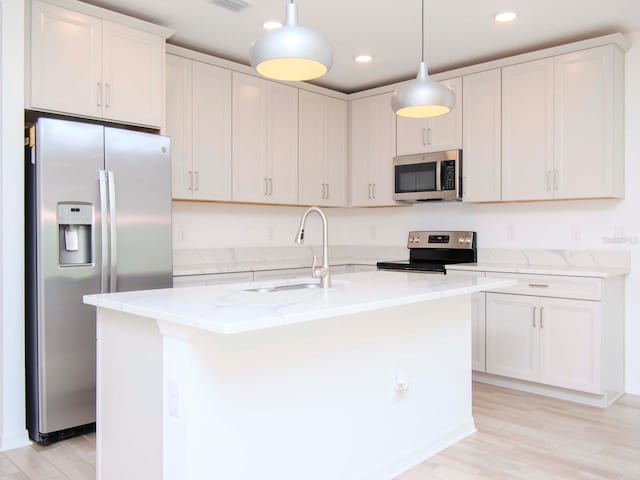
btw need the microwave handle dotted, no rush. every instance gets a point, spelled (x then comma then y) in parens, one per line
(438, 176)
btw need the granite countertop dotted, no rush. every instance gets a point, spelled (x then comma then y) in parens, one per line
(229, 309)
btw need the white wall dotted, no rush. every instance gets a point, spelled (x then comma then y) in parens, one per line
(587, 224)
(12, 397)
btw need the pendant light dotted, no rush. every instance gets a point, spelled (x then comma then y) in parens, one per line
(291, 53)
(422, 97)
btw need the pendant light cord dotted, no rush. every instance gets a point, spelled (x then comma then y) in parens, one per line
(422, 31)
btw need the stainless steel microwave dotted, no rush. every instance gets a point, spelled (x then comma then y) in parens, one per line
(428, 176)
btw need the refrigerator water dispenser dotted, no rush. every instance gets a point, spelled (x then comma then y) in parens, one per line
(75, 227)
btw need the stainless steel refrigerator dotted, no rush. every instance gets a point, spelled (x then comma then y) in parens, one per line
(98, 203)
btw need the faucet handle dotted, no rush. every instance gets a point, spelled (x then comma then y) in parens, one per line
(313, 266)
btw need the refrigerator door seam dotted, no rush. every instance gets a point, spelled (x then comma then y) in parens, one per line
(113, 281)
(104, 254)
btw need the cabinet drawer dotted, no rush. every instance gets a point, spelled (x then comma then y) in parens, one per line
(212, 279)
(581, 288)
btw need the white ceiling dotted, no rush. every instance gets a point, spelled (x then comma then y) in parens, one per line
(458, 32)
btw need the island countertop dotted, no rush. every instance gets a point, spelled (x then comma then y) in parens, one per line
(229, 309)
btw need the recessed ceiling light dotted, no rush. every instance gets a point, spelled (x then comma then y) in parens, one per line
(272, 25)
(506, 17)
(364, 58)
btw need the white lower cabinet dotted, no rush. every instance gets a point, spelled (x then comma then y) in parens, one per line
(554, 341)
(570, 342)
(512, 336)
(478, 331)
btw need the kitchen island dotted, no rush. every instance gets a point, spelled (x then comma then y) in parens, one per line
(360, 381)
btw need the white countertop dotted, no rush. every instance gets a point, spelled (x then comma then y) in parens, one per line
(229, 309)
(565, 270)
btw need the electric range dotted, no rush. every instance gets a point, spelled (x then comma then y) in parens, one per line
(429, 252)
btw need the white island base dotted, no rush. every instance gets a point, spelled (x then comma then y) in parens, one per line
(364, 395)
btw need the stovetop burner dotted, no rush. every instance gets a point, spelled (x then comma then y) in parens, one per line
(429, 252)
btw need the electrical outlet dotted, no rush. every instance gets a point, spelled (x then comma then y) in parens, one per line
(173, 398)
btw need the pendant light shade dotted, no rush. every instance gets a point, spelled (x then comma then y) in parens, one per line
(422, 97)
(291, 53)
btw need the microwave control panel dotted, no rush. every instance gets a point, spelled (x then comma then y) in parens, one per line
(448, 174)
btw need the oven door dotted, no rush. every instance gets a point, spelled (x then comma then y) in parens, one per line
(420, 177)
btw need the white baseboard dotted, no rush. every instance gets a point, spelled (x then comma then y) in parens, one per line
(429, 449)
(602, 401)
(14, 440)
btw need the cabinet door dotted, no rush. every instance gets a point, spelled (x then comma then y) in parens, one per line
(445, 131)
(335, 148)
(211, 132)
(585, 103)
(66, 61)
(411, 135)
(481, 159)
(361, 151)
(312, 178)
(512, 336)
(249, 138)
(383, 146)
(133, 75)
(282, 143)
(178, 126)
(570, 344)
(478, 319)
(527, 131)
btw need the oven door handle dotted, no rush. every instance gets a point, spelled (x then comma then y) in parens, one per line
(438, 176)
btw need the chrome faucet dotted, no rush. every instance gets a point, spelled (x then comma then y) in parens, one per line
(323, 272)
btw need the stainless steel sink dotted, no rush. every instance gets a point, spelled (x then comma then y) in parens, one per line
(282, 288)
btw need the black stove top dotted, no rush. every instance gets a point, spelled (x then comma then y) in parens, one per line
(429, 252)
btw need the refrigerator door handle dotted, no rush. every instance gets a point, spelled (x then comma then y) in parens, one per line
(104, 263)
(113, 277)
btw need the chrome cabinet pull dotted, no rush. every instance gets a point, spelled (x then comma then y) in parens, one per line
(373, 190)
(556, 179)
(197, 175)
(99, 88)
(104, 256)
(113, 281)
(424, 136)
(541, 319)
(108, 100)
(270, 186)
(534, 316)
(539, 285)
(266, 186)
(190, 179)
(429, 136)
(369, 191)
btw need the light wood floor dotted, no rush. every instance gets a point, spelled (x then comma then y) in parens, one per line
(520, 436)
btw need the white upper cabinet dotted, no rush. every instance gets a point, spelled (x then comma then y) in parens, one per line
(527, 131)
(481, 155)
(179, 124)
(265, 141)
(323, 150)
(87, 66)
(66, 60)
(211, 132)
(433, 134)
(373, 143)
(132, 72)
(589, 123)
(199, 124)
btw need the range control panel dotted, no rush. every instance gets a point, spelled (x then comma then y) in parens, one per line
(466, 240)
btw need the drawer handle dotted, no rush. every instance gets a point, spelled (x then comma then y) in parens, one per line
(538, 285)
(534, 316)
(541, 318)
